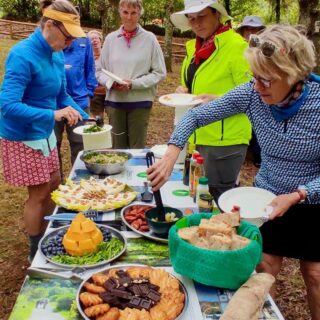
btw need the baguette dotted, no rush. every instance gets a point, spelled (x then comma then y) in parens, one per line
(247, 302)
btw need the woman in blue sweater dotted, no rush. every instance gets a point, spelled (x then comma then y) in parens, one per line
(34, 86)
(283, 104)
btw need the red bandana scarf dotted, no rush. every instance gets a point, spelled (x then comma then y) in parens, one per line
(128, 35)
(204, 49)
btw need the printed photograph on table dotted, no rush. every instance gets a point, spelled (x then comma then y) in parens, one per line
(54, 300)
(144, 251)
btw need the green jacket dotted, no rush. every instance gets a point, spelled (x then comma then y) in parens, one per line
(225, 69)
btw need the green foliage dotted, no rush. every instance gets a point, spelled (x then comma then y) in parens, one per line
(73, 312)
(265, 9)
(64, 302)
(25, 309)
(37, 293)
(23, 10)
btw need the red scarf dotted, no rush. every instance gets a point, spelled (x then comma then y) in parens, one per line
(128, 35)
(204, 49)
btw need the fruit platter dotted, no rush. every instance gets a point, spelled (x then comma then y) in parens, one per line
(133, 216)
(132, 292)
(83, 243)
(96, 194)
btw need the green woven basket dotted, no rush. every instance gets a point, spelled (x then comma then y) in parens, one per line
(224, 269)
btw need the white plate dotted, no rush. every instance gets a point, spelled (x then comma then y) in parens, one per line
(113, 76)
(179, 100)
(159, 150)
(79, 130)
(252, 201)
(115, 233)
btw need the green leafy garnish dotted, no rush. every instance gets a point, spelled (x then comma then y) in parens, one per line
(93, 128)
(106, 251)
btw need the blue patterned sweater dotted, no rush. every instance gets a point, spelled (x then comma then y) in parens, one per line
(290, 150)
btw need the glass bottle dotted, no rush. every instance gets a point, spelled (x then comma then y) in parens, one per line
(198, 172)
(192, 190)
(186, 168)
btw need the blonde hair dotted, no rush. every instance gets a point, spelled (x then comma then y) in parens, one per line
(58, 5)
(95, 32)
(294, 55)
(132, 3)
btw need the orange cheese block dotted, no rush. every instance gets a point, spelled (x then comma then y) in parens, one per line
(82, 237)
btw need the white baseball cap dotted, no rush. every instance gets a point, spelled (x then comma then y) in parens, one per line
(193, 6)
(252, 22)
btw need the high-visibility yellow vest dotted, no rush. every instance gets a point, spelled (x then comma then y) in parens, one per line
(222, 71)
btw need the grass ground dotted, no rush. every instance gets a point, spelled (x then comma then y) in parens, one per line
(291, 295)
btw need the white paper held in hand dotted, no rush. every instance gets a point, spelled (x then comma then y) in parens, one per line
(113, 77)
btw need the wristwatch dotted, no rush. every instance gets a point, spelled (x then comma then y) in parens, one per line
(302, 195)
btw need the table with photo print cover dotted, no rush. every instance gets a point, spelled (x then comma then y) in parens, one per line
(54, 298)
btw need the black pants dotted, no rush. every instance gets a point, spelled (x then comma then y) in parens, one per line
(295, 234)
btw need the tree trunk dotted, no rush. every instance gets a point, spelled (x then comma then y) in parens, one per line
(278, 2)
(108, 10)
(309, 14)
(227, 6)
(167, 49)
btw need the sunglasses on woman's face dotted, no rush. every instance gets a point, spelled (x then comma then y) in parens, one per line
(267, 48)
(67, 37)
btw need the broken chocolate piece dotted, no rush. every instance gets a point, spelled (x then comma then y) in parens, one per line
(144, 288)
(108, 298)
(124, 281)
(134, 302)
(154, 286)
(154, 295)
(135, 290)
(110, 284)
(122, 274)
(145, 304)
(121, 294)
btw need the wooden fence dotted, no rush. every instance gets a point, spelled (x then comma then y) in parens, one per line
(19, 30)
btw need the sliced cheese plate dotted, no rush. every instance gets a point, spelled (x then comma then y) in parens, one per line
(54, 236)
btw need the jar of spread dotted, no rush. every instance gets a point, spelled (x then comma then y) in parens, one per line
(205, 202)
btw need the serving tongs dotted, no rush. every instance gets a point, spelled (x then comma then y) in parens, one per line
(91, 214)
(157, 195)
(75, 273)
(97, 119)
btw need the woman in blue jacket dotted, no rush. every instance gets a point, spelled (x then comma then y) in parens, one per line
(34, 87)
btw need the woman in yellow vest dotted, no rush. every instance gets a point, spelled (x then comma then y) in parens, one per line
(215, 64)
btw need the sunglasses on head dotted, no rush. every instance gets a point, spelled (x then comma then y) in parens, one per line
(267, 48)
